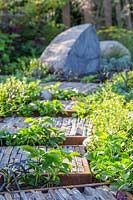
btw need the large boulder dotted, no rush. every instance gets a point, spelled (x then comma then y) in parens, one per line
(114, 49)
(75, 51)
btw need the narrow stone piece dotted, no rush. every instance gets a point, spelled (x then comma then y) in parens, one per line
(76, 194)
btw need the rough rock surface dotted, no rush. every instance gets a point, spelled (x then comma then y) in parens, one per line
(76, 51)
(80, 87)
(62, 194)
(45, 95)
(114, 49)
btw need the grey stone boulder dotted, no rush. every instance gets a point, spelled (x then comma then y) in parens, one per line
(114, 49)
(75, 51)
(45, 95)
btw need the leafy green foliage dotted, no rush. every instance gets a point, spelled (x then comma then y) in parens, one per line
(15, 93)
(123, 85)
(53, 162)
(88, 79)
(50, 108)
(115, 65)
(111, 159)
(27, 27)
(111, 144)
(41, 108)
(62, 94)
(37, 69)
(122, 35)
(40, 169)
(40, 132)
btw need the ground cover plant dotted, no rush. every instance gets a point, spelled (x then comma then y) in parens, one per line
(41, 108)
(110, 148)
(18, 97)
(42, 168)
(40, 132)
(67, 94)
(15, 93)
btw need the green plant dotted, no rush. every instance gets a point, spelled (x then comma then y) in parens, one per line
(110, 158)
(26, 110)
(6, 49)
(41, 108)
(62, 94)
(39, 169)
(122, 84)
(113, 65)
(40, 132)
(36, 69)
(50, 108)
(27, 27)
(90, 78)
(110, 146)
(50, 77)
(55, 162)
(120, 34)
(15, 93)
(130, 79)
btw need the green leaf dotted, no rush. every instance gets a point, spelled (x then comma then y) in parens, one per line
(28, 120)
(28, 148)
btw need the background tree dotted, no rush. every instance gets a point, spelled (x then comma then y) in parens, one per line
(108, 12)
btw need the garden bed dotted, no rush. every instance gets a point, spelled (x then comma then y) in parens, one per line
(80, 173)
(70, 140)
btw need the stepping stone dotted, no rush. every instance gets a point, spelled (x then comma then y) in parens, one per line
(72, 126)
(80, 87)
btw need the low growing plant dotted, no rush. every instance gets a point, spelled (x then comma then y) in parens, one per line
(111, 159)
(90, 78)
(62, 94)
(40, 132)
(110, 147)
(38, 170)
(55, 162)
(41, 108)
(15, 93)
(49, 108)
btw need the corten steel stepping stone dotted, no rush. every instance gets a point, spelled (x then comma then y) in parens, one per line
(80, 173)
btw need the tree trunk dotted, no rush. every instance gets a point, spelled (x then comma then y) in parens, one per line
(66, 15)
(118, 13)
(107, 12)
(128, 14)
(89, 12)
